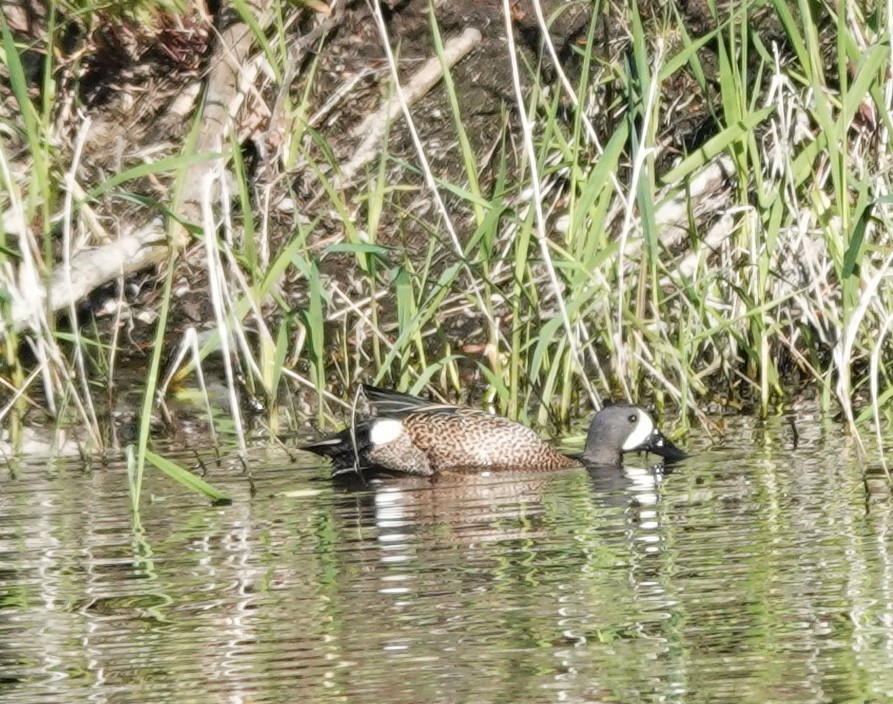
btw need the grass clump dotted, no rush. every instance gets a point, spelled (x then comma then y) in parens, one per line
(684, 209)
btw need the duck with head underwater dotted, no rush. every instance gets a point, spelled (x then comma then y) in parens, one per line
(403, 433)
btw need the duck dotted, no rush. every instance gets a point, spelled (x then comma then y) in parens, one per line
(410, 435)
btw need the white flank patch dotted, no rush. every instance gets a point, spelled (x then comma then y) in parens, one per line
(640, 433)
(385, 430)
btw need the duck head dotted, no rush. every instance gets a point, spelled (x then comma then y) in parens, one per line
(625, 428)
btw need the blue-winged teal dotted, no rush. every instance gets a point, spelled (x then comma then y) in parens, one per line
(407, 434)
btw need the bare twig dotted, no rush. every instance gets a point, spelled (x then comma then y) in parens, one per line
(375, 125)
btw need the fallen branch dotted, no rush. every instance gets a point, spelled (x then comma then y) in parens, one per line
(230, 73)
(425, 78)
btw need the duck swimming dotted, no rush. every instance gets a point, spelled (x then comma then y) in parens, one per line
(404, 433)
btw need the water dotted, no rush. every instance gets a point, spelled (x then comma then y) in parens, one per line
(761, 570)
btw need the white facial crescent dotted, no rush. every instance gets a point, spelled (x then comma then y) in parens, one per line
(640, 433)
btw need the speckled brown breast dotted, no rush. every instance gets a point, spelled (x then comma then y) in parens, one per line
(473, 439)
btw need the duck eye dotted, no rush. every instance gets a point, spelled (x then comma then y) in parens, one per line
(633, 418)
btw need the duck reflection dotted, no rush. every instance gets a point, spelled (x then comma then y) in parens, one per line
(470, 568)
(473, 507)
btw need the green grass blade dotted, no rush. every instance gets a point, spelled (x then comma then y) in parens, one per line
(186, 478)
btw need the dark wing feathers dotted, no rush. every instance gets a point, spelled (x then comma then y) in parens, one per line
(393, 404)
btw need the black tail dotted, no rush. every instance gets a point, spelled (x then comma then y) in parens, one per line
(346, 449)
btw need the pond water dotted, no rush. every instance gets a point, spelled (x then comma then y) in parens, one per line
(760, 570)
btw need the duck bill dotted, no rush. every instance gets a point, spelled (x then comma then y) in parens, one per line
(658, 444)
